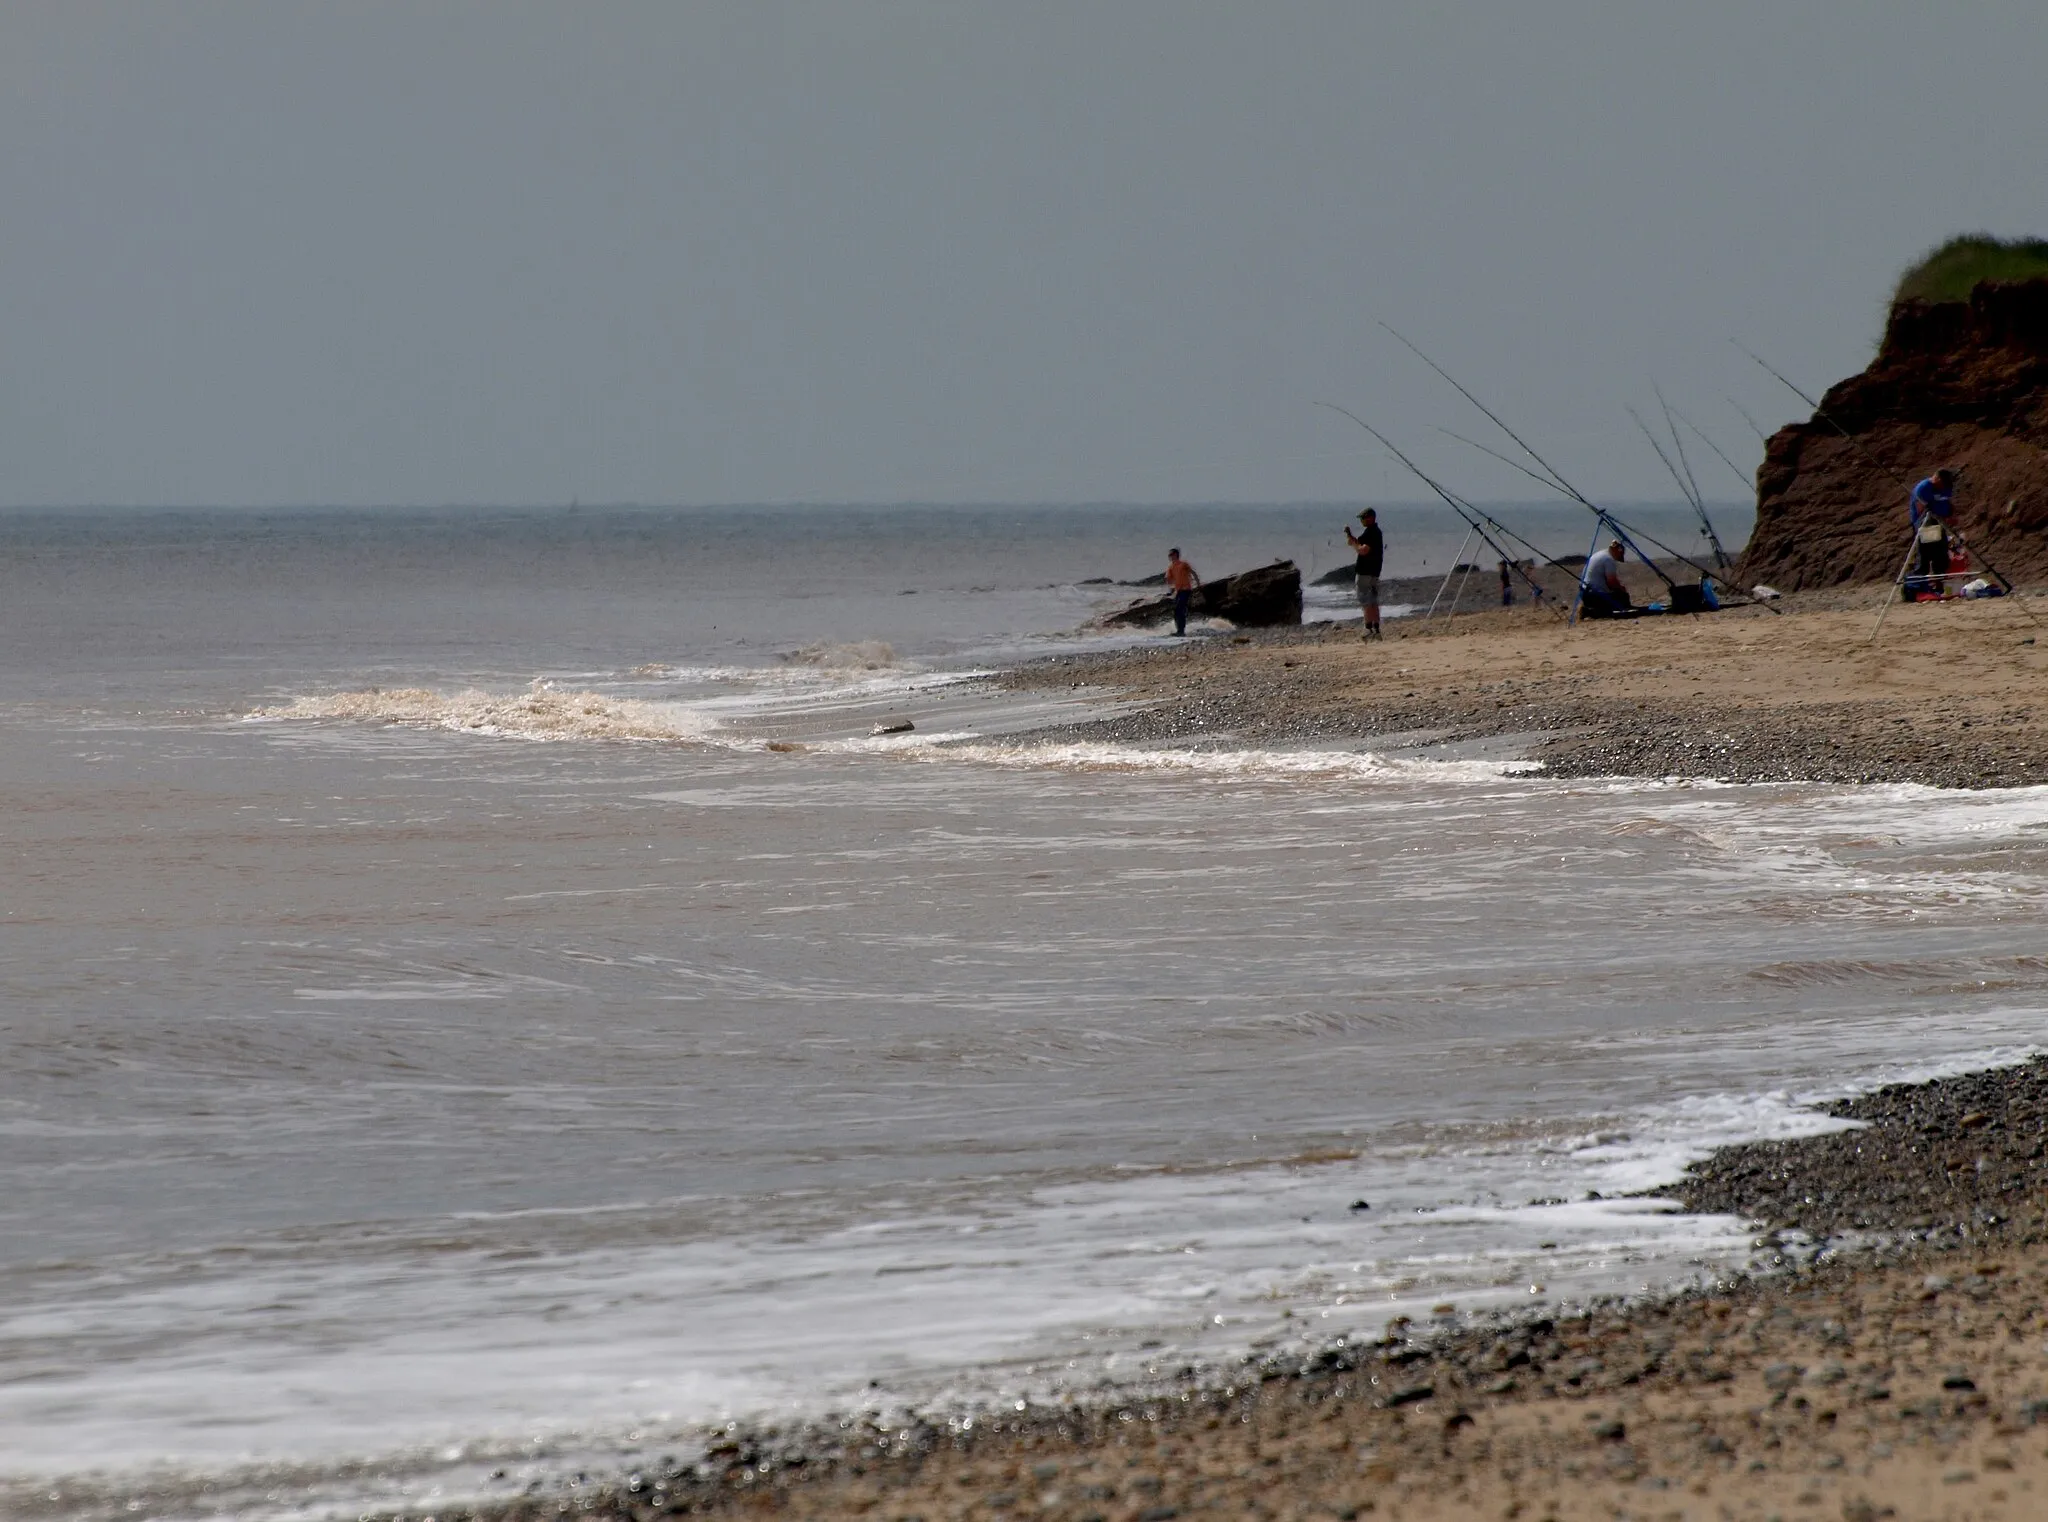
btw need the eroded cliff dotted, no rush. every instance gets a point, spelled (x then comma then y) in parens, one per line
(1956, 383)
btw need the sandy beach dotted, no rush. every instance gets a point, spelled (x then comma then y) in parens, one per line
(1947, 694)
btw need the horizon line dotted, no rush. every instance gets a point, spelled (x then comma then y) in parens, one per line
(824, 503)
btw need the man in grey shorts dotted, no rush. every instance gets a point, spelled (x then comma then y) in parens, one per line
(1372, 552)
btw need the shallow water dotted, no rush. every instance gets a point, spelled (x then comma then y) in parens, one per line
(406, 1085)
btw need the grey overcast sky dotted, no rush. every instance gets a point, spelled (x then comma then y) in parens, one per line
(428, 251)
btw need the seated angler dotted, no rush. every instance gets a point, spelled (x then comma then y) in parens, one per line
(1601, 592)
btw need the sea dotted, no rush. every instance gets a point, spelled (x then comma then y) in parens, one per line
(483, 1008)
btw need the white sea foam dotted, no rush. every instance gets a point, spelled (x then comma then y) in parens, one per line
(1095, 756)
(707, 705)
(440, 1378)
(541, 712)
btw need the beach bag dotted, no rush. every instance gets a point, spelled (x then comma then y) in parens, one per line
(1931, 531)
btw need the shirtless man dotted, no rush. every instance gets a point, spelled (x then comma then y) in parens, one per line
(1181, 580)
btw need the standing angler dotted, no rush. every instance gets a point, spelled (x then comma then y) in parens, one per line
(1932, 505)
(1372, 553)
(1181, 580)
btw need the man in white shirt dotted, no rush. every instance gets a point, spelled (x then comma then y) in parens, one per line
(1602, 594)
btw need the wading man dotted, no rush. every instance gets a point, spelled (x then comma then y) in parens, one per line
(1181, 580)
(1931, 507)
(1372, 553)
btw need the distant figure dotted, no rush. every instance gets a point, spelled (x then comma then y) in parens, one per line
(1601, 592)
(1181, 579)
(1372, 554)
(1931, 507)
(1507, 587)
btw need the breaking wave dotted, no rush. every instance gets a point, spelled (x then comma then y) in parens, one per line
(541, 712)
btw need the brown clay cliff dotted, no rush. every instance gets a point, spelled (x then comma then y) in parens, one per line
(1955, 383)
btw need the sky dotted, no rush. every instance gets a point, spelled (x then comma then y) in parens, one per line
(277, 253)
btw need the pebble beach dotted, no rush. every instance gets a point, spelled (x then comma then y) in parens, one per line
(1885, 1356)
(1889, 1358)
(1810, 688)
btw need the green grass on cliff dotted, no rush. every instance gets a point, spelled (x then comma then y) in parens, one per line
(1952, 270)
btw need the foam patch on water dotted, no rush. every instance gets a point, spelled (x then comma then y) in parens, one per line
(1096, 756)
(541, 712)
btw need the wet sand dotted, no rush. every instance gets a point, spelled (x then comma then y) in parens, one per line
(1949, 694)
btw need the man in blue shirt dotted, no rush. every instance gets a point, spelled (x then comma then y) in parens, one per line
(1932, 505)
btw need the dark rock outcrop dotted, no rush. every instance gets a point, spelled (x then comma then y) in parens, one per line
(1963, 384)
(1257, 599)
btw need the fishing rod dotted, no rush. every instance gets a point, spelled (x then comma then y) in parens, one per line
(1472, 515)
(1761, 436)
(1463, 504)
(1699, 499)
(1818, 411)
(1555, 480)
(1687, 487)
(1624, 530)
(1552, 478)
(1858, 445)
(1748, 481)
(1628, 532)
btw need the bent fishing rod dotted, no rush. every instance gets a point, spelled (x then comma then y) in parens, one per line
(1471, 514)
(1888, 470)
